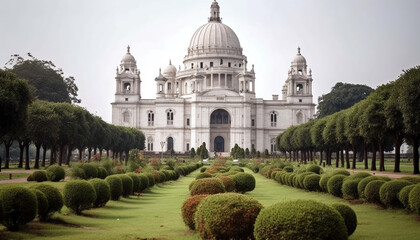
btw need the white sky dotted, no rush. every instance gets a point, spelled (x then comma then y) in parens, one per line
(356, 41)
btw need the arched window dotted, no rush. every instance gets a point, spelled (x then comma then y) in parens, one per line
(299, 118)
(170, 144)
(170, 117)
(149, 144)
(150, 118)
(127, 87)
(273, 145)
(273, 118)
(299, 88)
(126, 117)
(169, 86)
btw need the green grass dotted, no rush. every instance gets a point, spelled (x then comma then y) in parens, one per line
(5, 176)
(156, 214)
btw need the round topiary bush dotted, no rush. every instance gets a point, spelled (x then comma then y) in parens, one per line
(115, 185)
(334, 185)
(127, 184)
(388, 193)
(288, 168)
(162, 176)
(144, 182)
(226, 216)
(102, 173)
(349, 189)
(19, 206)
(79, 195)
(403, 195)
(299, 179)
(207, 186)
(136, 181)
(77, 173)
(323, 182)
(292, 180)
(55, 173)
(42, 204)
(228, 182)
(103, 191)
(151, 179)
(203, 169)
(54, 197)
(314, 168)
(358, 176)
(203, 175)
(90, 169)
(300, 220)
(411, 179)
(311, 182)
(414, 199)
(341, 172)
(349, 216)
(372, 191)
(39, 176)
(244, 182)
(363, 183)
(188, 209)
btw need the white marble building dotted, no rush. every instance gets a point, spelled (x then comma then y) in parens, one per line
(212, 98)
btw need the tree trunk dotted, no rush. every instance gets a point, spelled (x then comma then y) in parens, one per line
(100, 153)
(347, 157)
(60, 157)
(354, 156)
(342, 157)
(94, 151)
(38, 149)
(44, 155)
(80, 154)
(337, 156)
(416, 155)
(22, 149)
(365, 153)
(89, 154)
(7, 145)
(107, 153)
(381, 156)
(52, 154)
(27, 156)
(320, 157)
(397, 157)
(69, 149)
(373, 163)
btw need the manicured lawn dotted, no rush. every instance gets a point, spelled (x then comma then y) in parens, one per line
(156, 214)
(5, 176)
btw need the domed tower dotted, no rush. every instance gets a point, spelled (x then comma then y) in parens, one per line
(214, 61)
(169, 72)
(298, 86)
(127, 80)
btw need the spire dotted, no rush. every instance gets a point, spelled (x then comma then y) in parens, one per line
(128, 49)
(170, 63)
(298, 50)
(215, 12)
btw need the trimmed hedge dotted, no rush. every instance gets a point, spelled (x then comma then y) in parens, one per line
(411, 179)
(388, 192)
(54, 197)
(372, 191)
(55, 173)
(358, 176)
(314, 168)
(403, 195)
(414, 199)
(323, 182)
(144, 182)
(300, 220)
(115, 185)
(349, 189)
(334, 185)
(207, 186)
(103, 191)
(79, 195)
(102, 173)
(349, 216)
(288, 168)
(42, 204)
(228, 182)
(311, 182)
(19, 206)
(226, 216)
(127, 184)
(341, 172)
(189, 208)
(298, 182)
(203, 175)
(244, 182)
(90, 169)
(151, 178)
(363, 183)
(136, 182)
(39, 176)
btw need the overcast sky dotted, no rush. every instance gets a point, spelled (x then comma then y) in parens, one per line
(356, 41)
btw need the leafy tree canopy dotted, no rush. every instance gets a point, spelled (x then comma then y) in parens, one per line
(342, 96)
(48, 80)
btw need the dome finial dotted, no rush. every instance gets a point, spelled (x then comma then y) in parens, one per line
(128, 48)
(298, 50)
(215, 12)
(170, 63)
(160, 71)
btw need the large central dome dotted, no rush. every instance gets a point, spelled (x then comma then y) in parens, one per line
(214, 37)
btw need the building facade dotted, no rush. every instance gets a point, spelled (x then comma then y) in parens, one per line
(212, 98)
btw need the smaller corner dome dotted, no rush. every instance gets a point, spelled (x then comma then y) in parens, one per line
(128, 58)
(170, 70)
(299, 59)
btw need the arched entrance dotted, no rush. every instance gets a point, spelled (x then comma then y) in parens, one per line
(219, 144)
(220, 124)
(170, 143)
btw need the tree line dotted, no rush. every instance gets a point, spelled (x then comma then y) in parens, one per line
(390, 114)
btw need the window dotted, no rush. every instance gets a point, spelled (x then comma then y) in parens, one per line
(252, 122)
(211, 64)
(273, 118)
(188, 147)
(201, 64)
(299, 118)
(126, 116)
(192, 65)
(160, 88)
(300, 72)
(221, 61)
(127, 87)
(169, 86)
(240, 65)
(273, 145)
(170, 117)
(150, 118)
(149, 144)
(188, 122)
(126, 99)
(299, 88)
(177, 87)
(300, 100)
(229, 64)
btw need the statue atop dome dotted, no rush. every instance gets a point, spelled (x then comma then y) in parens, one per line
(215, 12)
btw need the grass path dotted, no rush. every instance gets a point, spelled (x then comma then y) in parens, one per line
(373, 222)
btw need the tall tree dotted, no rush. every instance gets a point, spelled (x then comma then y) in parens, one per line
(342, 96)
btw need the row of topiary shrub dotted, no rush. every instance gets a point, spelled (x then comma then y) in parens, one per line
(53, 173)
(384, 191)
(236, 216)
